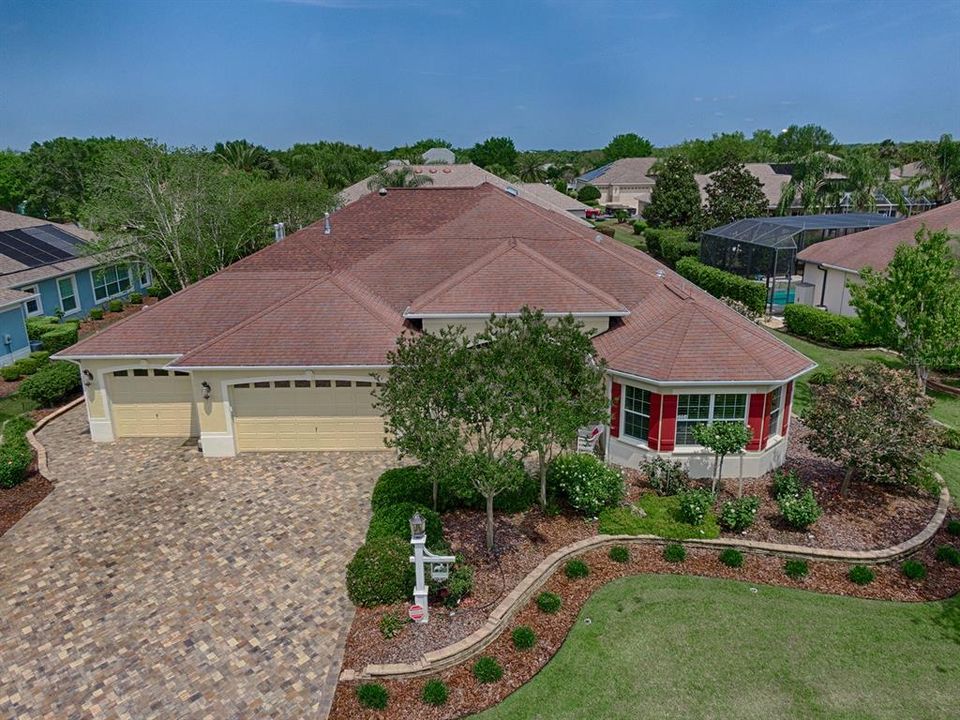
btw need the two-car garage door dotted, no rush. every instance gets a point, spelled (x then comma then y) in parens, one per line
(306, 415)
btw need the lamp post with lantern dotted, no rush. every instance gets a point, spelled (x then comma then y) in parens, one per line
(439, 568)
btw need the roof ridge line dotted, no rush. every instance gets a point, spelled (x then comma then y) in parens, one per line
(748, 349)
(373, 303)
(462, 274)
(558, 269)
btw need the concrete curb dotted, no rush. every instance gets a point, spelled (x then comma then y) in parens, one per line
(38, 446)
(456, 653)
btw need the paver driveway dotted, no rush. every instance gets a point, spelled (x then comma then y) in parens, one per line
(154, 583)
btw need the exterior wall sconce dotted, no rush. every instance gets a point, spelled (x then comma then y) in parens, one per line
(205, 390)
(87, 377)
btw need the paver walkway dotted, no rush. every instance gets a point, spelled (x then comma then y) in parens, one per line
(155, 583)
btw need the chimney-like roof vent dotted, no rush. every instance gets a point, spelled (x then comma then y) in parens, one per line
(326, 223)
(598, 237)
(382, 191)
(512, 191)
(660, 273)
(279, 232)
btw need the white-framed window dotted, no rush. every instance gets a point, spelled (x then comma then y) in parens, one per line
(69, 299)
(776, 410)
(34, 305)
(636, 412)
(703, 409)
(110, 281)
(144, 275)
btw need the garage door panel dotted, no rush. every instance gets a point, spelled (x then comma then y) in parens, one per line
(152, 405)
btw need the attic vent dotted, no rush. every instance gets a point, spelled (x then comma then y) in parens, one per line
(382, 191)
(660, 273)
(598, 237)
(279, 233)
(326, 223)
(511, 191)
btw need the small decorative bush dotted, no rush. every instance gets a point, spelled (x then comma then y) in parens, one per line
(459, 585)
(390, 625)
(523, 638)
(154, 291)
(63, 336)
(786, 483)
(737, 515)
(549, 602)
(10, 373)
(948, 554)
(585, 482)
(732, 558)
(373, 696)
(588, 193)
(27, 365)
(41, 356)
(620, 554)
(861, 575)
(666, 477)
(402, 485)
(52, 383)
(953, 527)
(914, 570)
(136, 298)
(694, 505)
(639, 226)
(96, 314)
(576, 569)
(115, 306)
(37, 326)
(800, 512)
(394, 521)
(487, 670)
(675, 553)
(434, 693)
(380, 572)
(15, 459)
(796, 569)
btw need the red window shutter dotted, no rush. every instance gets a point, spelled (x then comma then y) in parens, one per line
(758, 404)
(653, 439)
(668, 423)
(615, 392)
(786, 409)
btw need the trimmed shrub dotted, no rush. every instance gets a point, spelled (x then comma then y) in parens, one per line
(487, 670)
(675, 553)
(549, 602)
(96, 314)
(861, 575)
(63, 336)
(115, 306)
(390, 625)
(52, 384)
(394, 521)
(802, 511)
(824, 327)
(948, 554)
(722, 284)
(607, 230)
(155, 291)
(953, 527)
(585, 482)
(576, 569)
(666, 477)
(673, 249)
(10, 373)
(523, 637)
(402, 485)
(459, 585)
(694, 505)
(15, 459)
(914, 570)
(373, 696)
(639, 226)
(786, 483)
(434, 693)
(737, 515)
(620, 554)
(796, 569)
(732, 558)
(588, 193)
(653, 238)
(27, 365)
(380, 572)
(135, 298)
(41, 356)
(37, 326)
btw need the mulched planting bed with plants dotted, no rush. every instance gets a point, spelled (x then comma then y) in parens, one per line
(89, 326)
(17, 501)
(466, 695)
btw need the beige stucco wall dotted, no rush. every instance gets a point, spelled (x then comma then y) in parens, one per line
(836, 299)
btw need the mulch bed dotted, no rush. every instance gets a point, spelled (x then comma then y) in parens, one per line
(9, 387)
(88, 326)
(468, 696)
(17, 501)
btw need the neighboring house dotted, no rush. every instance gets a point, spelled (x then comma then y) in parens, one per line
(468, 175)
(624, 184)
(439, 156)
(279, 350)
(44, 269)
(830, 266)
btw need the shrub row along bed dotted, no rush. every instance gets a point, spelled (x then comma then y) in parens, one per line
(16, 455)
(824, 327)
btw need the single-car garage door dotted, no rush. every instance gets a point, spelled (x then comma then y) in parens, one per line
(306, 415)
(152, 403)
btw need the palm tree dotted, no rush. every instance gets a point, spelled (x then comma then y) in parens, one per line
(867, 178)
(813, 183)
(939, 174)
(530, 167)
(398, 177)
(244, 156)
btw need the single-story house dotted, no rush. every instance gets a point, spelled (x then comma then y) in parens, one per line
(45, 269)
(280, 350)
(624, 184)
(830, 266)
(439, 156)
(466, 175)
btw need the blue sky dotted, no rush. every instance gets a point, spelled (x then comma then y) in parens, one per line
(549, 73)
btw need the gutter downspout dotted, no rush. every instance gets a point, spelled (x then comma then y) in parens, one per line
(823, 290)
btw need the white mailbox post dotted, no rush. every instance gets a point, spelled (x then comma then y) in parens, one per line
(439, 568)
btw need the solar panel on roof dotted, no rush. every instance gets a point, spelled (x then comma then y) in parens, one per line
(38, 248)
(32, 251)
(54, 236)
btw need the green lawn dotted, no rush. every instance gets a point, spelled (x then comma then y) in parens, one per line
(664, 647)
(948, 465)
(13, 406)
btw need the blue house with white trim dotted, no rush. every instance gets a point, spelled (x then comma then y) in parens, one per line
(44, 268)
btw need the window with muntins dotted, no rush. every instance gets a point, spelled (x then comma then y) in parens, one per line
(33, 305)
(776, 408)
(110, 281)
(68, 295)
(693, 410)
(636, 412)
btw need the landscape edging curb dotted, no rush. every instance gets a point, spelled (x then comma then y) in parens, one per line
(41, 451)
(454, 654)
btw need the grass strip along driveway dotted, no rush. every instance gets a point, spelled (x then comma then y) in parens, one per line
(690, 647)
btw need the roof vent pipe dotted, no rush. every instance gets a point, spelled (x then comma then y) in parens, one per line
(326, 223)
(661, 274)
(512, 191)
(382, 191)
(279, 233)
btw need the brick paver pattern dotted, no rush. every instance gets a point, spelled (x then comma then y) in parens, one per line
(156, 583)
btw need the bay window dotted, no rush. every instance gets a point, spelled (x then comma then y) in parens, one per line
(703, 409)
(636, 412)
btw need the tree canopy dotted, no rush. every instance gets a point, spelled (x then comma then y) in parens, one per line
(675, 200)
(733, 194)
(495, 151)
(629, 145)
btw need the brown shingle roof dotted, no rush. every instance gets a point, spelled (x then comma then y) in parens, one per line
(875, 248)
(626, 171)
(315, 299)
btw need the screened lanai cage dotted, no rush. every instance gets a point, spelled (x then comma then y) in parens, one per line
(765, 249)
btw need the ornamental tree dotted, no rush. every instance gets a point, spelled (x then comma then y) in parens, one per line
(675, 200)
(914, 305)
(588, 193)
(723, 438)
(873, 421)
(734, 194)
(495, 151)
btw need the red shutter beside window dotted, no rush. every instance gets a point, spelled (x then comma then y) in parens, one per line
(668, 423)
(615, 392)
(758, 404)
(653, 439)
(786, 409)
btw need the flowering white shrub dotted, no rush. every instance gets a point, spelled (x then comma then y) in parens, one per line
(585, 482)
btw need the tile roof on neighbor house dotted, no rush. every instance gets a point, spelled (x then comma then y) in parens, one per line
(33, 249)
(626, 171)
(338, 299)
(876, 247)
(468, 175)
